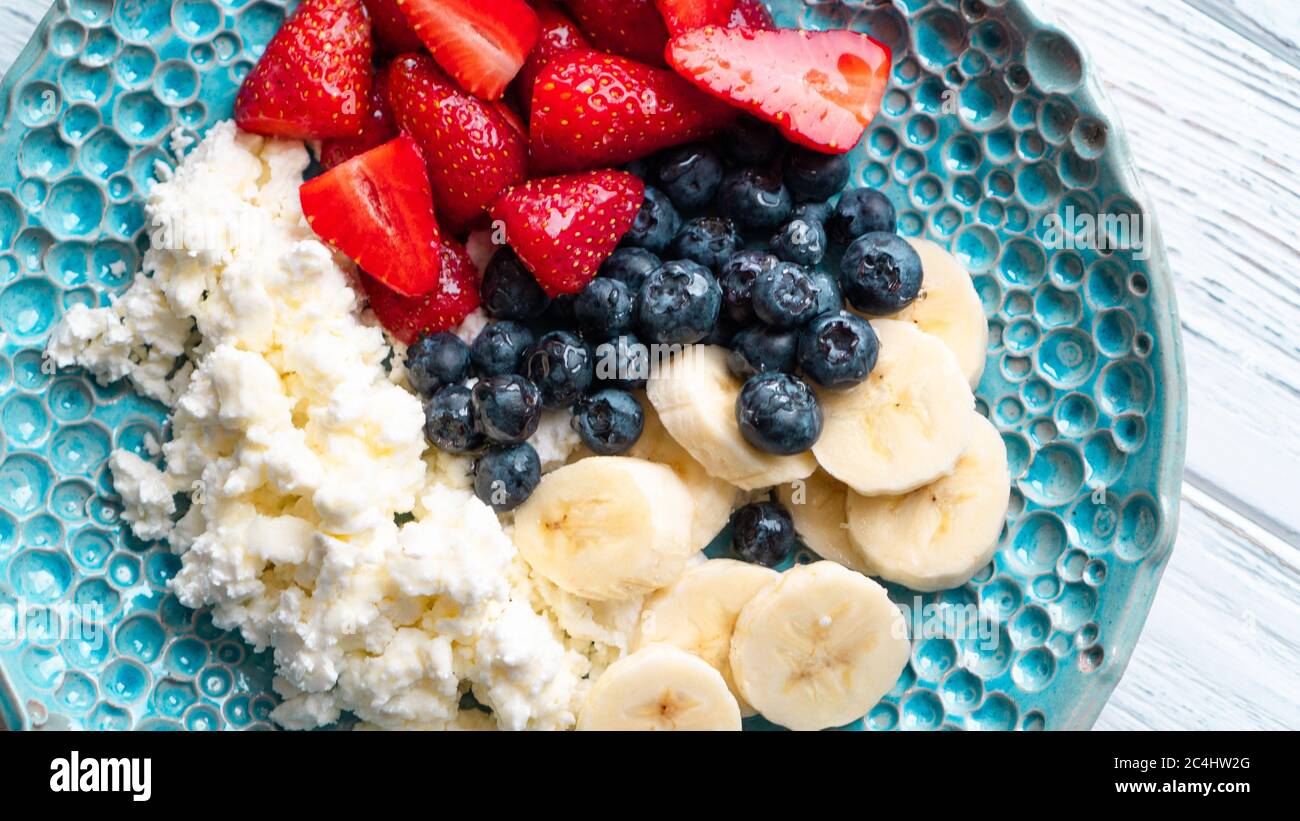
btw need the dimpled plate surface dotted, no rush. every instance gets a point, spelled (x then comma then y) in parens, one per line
(993, 121)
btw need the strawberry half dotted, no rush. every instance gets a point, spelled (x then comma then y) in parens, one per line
(377, 209)
(481, 43)
(393, 35)
(560, 36)
(687, 15)
(472, 149)
(313, 80)
(593, 109)
(453, 298)
(376, 129)
(751, 14)
(563, 228)
(820, 88)
(631, 28)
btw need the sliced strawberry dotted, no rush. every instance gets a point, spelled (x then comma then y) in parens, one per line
(687, 15)
(446, 306)
(631, 28)
(473, 150)
(751, 14)
(377, 209)
(821, 88)
(560, 36)
(563, 228)
(481, 43)
(393, 35)
(376, 129)
(314, 78)
(592, 109)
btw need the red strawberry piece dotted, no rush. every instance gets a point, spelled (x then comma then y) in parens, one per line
(446, 306)
(393, 35)
(313, 80)
(472, 149)
(563, 228)
(751, 14)
(560, 36)
(481, 43)
(687, 15)
(376, 129)
(596, 109)
(820, 88)
(377, 209)
(631, 28)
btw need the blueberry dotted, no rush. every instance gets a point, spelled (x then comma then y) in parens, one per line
(507, 408)
(861, 211)
(811, 175)
(786, 296)
(758, 350)
(609, 421)
(756, 199)
(561, 366)
(509, 290)
(630, 265)
(800, 241)
(500, 347)
(838, 350)
(436, 360)
(604, 308)
(656, 223)
(762, 533)
(778, 413)
(679, 303)
(559, 314)
(829, 295)
(723, 332)
(880, 274)
(449, 421)
(710, 241)
(689, 175)
(506, 475)
(736, 278)
(623, 362)
(750, 141)
(813, 212)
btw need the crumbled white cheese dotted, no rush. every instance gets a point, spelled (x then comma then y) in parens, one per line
(301, 452)
(555, 439)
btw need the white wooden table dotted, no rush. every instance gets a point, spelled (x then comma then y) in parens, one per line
(1210, 93)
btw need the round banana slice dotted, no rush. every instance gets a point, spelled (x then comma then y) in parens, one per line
(938, 536)
(817, 506)
(819, 648)
(607, 528)
(660, 687)
(698, 612)
(950, 308)
(695, 396)
(906, 425)
(714, 498)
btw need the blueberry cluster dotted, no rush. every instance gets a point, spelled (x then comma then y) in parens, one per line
(738, 244)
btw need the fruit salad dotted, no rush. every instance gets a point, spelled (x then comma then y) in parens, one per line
(561, 293)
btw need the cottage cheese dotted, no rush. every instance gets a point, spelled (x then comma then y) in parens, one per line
(300, 450)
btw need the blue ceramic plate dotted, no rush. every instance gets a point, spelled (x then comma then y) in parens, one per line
(993, 122)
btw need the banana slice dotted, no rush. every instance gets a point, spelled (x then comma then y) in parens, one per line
(950, 309)
(819, 648)
(714, 498)
(660, 687)
(938, 536)
(906, 425)
(698, 612)
(695, 396)
(817, 506)
(607, 528)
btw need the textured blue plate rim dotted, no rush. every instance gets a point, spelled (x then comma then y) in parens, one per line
(1171, 389)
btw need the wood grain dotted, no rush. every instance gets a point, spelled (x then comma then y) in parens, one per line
(1210, 93)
